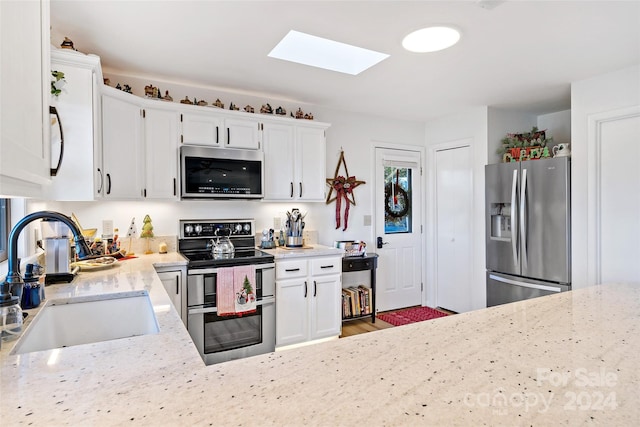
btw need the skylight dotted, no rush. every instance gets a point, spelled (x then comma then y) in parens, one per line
(324, 53)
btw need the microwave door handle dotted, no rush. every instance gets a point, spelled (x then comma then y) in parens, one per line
(514, 218)
(523, 218)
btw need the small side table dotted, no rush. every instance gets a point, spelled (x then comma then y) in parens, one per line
(363, 263)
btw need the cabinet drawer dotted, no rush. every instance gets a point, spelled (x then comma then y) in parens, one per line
(357, 264)
(289, 269)
(321, 266)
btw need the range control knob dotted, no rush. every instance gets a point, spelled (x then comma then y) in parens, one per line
(188, 229)
(238, 228)
(247, 227)
(198, 228)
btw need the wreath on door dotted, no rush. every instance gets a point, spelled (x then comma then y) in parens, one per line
(396, 199)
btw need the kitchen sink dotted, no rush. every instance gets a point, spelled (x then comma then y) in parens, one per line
(67, 322)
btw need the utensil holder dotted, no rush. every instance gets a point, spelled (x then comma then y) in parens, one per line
(294, 241)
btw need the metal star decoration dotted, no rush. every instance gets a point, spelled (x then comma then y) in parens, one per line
(343, 185)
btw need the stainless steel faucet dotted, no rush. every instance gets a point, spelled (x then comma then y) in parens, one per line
(14, 281)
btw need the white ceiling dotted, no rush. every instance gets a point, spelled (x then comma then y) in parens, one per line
(520, 55)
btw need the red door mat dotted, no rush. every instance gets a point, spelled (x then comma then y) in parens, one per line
(410, 315)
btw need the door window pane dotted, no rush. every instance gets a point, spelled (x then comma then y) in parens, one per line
(398, 202)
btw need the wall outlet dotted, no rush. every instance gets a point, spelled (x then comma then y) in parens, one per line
(367, 220)
(310, 237)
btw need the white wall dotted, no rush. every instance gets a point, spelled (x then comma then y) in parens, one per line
(468, 125)
(558, 126)
(595, 96)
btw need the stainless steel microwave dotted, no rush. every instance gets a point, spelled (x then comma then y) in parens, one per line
(221, 173)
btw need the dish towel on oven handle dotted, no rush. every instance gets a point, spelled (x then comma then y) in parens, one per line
(235, 293)
(244, 278)
(225, 292)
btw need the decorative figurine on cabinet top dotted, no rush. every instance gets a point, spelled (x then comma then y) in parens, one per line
(249, 109)
(299, 114)
(186, 101)
(202, 103)
(67, 44)
(233, 107)
(266, 109)
(167, 97)
(281, 111)
(151, 91)
(217, 103)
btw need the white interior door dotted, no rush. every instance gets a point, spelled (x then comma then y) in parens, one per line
(398, 223)
(454, 203)
(619, 201)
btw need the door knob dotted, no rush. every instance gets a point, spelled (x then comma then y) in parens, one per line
(380, 243)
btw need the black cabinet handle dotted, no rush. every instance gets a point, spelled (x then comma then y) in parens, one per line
(315, 288)
(292, 189)
(54, 171)
(177, 285)
(300, 190)
(326, 266)
(292, 269)
(101, 181)
(217, 136)
(228, 136)
(305, 288)
(108, 183)
(174, 187)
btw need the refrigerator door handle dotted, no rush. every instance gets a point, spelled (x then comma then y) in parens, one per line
(523, 284)
(514, 218)
(523, 223)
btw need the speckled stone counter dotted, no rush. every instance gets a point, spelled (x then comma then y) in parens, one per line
(308, 251)
(570, 358)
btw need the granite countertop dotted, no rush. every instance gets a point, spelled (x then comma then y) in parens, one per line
(569, 358)
(306, 251)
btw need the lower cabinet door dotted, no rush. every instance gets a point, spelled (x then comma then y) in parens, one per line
(291, 311)
(325, 310)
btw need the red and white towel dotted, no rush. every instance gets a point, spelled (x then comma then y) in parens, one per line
(236, 292)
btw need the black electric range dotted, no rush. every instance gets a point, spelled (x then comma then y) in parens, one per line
(195, 243)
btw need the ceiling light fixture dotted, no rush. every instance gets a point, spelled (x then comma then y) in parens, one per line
(431, 39)
(324, 53)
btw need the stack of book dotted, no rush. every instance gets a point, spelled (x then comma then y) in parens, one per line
(356, 301)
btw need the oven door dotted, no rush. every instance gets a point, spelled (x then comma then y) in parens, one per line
(220, 339)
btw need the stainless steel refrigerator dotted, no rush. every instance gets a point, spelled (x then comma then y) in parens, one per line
(528, 229)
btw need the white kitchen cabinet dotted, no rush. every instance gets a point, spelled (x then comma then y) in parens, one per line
(242, 133)
(295, 162)
(173, 281)
(279, 157)
(80, 176)
(308, 299)
(201, 129)
(310, 163)
(210, 129)
(161, 153)
(122, 148)
(24, 97)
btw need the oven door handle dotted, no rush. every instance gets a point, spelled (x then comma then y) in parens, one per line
(196, 271)
(205, 310)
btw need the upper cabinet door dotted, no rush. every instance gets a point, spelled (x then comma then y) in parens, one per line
(80, 174)
(161, 153)
(242, 133)
(311, 164)
(24, 97)
(122, 149)
(202, 129)
(279, 154)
